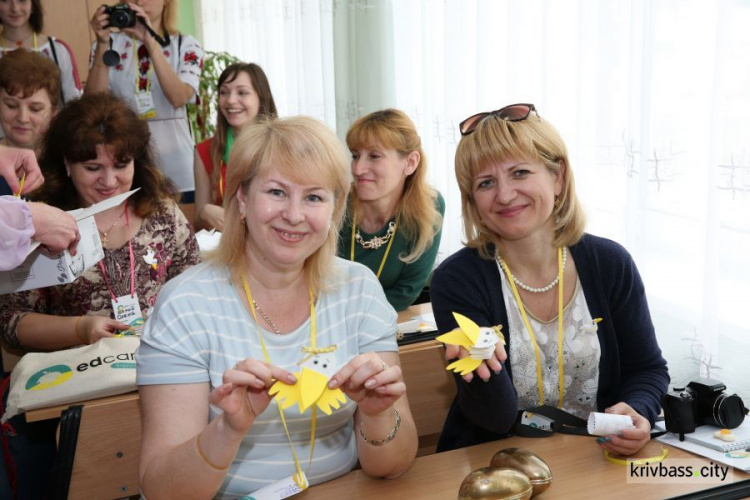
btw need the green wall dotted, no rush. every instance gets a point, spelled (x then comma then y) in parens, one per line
(186, 18)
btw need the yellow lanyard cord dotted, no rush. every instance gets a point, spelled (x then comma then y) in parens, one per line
(387, 249)
(561, 289)
(138, 68)
(539, 381)
(17, 194)
(33, 37)
(637, 461)
(298, 475)
(20, 186)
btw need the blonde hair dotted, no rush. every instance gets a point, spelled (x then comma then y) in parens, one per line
(419, 219)
(169, 16)
(302, 149)
(498, 140)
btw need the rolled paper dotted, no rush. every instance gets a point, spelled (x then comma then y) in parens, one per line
(603, 424)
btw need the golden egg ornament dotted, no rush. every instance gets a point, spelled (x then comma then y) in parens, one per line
(528, 463)
(495, 483)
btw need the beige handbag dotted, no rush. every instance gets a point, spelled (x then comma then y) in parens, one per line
(42, 379)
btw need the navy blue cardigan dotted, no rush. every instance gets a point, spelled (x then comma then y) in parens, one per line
(631, 367)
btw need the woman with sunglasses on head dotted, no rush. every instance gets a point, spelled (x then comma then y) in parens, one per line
(273, 301)
(158, 77)
(394, 217)
(244, 97)
(572, 306)
(22, 22)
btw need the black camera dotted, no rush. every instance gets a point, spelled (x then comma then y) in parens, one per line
(702, 402)
(120, 16)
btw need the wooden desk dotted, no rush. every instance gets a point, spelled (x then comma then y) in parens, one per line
(106, 459)
(578, 466)
(415, 310)
(429, 385)
(55, 411)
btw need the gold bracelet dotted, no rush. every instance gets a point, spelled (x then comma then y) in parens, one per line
(78, 332)
(204, 457)
(381, 442)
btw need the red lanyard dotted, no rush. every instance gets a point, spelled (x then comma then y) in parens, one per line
(132, 261)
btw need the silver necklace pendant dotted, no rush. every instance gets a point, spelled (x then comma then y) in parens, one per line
(376, 241)
(266, 318)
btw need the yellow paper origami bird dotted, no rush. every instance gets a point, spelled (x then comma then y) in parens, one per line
(312, 384)
(479, 341)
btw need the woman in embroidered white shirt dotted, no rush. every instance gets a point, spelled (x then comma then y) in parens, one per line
(157, 80)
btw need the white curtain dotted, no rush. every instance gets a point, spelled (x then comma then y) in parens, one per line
(652, 98)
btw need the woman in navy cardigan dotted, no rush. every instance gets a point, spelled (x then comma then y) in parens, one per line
(594, 350)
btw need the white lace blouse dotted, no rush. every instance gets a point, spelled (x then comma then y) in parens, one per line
(581, 353)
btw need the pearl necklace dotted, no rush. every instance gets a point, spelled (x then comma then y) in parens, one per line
(376, 241)
(543, 289)
(266, 318)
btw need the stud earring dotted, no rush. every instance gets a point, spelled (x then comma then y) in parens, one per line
(68, 172)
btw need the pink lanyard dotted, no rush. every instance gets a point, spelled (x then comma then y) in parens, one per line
(132, 262)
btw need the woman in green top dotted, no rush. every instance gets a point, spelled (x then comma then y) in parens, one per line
(394, 217)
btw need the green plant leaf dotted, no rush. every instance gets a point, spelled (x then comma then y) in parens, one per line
(201, 114)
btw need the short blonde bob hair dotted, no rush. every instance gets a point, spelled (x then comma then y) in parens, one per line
(305, 151)
(498, 140)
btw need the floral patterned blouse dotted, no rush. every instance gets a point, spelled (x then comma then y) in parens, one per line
(163, 248)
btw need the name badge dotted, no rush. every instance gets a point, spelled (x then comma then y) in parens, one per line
(283, 488)
(536, 421)
(128, 310)
(146, 108)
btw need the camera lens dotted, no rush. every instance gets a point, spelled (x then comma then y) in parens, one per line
(728, 411)
(120, 19)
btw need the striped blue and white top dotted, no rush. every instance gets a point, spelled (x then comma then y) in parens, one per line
(200, 327)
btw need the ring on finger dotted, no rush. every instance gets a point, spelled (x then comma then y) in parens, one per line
(384, 367)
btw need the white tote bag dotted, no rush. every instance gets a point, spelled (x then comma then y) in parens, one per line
(42, 379)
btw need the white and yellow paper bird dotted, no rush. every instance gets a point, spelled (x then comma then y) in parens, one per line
(312, 384)
(479, 341)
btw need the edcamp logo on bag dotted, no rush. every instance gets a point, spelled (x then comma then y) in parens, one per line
(122, 360)
(49, 377)
(58, 374)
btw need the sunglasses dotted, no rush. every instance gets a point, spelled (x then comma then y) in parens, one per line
(512, 113)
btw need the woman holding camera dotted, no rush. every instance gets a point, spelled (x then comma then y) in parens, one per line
(572, 306)
(158, 81)
(22, 22)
